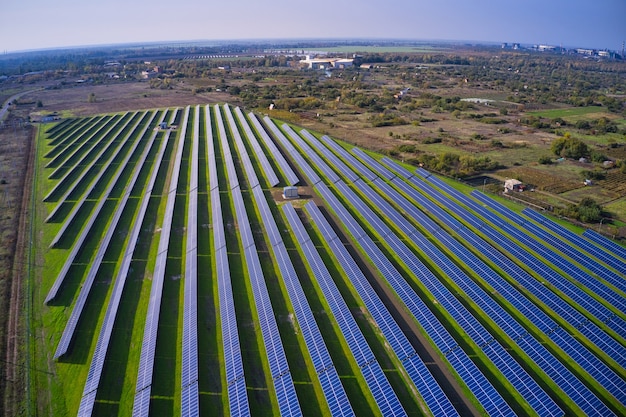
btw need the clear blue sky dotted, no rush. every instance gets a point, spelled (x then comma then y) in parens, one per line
(36, 24)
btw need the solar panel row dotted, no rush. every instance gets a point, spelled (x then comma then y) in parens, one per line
(80, 178)
(63, 138)
(347, 323)
(582, 244)
(104, 337)
(279, 368)
(295, 155)
(306, 149)
(189, 363)
(334, 393)
(605, 243)
(351, 160)
(330, 157)
(97, 135)
(567, 267)
(579, 296)
(235, 379)
(512, 370)
(291, 176)
(233, 181)
(253, 181)
(70, 327)
(429, 389)
(602, 373)
(103, 168)
(141, 404)
(78, 243)
(537, 316)
(556, 258)
(271, 176)
(485, 393)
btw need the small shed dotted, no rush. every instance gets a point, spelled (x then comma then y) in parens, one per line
(513, 185)
(290, 192)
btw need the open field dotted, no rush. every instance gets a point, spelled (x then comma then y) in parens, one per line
(124, 177)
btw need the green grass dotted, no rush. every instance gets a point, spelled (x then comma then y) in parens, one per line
(570, 112)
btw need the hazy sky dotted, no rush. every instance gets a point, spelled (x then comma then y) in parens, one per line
(35, 24)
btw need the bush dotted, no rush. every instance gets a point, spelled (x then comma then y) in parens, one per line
(545, 160)
(569, 147)
(587, 211)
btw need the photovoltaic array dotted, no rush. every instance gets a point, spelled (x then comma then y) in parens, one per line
(521, 315)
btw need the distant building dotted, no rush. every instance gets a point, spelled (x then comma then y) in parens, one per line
(148, 75)
(326, 63)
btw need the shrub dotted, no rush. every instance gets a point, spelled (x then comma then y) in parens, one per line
(545, 160)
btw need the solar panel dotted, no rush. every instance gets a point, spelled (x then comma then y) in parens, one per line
(271, 176)
(579, 296)
(278, 157)
(571, 270)
(279, 368)
(70, 218)
(607, 244)
(70, 327)
(579, 242)
(330, 157)
(86, 169)
(190, 400)
(423, 379)
(148, 345)
(352, 161)
(306, 149)
(253, 180)
(471, 326)
(97, 362)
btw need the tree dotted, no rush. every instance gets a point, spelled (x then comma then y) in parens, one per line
(569, 147)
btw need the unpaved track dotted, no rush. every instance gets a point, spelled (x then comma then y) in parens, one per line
(15, 369)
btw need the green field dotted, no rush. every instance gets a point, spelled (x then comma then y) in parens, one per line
(572, 113)
(445, 297)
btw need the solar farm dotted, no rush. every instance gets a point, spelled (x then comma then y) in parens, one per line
(178, 280)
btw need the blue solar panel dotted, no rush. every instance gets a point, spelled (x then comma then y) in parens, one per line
(236, 385)
(573, 271)
(373, 164)
(189, 363)
(77, 310)
(309, 173)
(428, 388)
(233, 181)
(97, 362)
(581, 243)
(253, 180)
(86, 168)
(527, 387)
(69, 220)
(473, 377)
(148, 345)
(291, 176)
(279, 368)
(271, 176)
(576, 294)
(310, 153)
(607, 244)
(330, 157)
